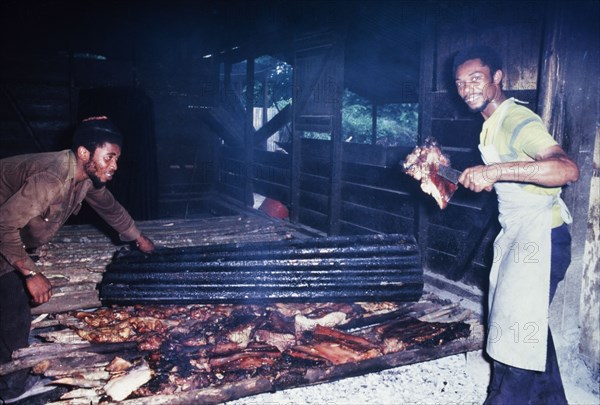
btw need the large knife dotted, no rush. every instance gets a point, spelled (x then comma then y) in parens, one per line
(449, 173)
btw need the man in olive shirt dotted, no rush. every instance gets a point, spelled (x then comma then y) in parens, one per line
(38, 193)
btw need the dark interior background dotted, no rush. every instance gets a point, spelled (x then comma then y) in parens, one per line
(163, 71)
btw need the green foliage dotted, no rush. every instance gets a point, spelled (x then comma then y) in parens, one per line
(276, 75)
(397, 124)
(323, 136)
(357, 123)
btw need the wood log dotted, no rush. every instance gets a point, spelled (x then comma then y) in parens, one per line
(71, 366)
(32, 355)
(61, 336)
(217, 395)
(316, 375)
(69, 302)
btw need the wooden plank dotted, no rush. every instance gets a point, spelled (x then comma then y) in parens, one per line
(335, 192)
(377, 220)
(393, 202)
(249, 134)
(282, 118)
(313, 184)
(469, 246)
(347, 228)
(461, 216)
(445, 240)
(314, 202)
(570, 107)
(316, 167)
(277, 159)
(272, 190)
(228, 392)
(271, 174)
(389, 178)
(313, 219)
(463, 133)
(427, 85)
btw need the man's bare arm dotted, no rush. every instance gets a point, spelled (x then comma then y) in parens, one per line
(551, 168)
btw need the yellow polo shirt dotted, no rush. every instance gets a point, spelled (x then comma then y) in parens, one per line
(518, 135)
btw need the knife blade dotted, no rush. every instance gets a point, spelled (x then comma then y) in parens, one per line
(449, 173)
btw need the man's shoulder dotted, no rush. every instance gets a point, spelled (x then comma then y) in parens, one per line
(519, 116)
(57, 164)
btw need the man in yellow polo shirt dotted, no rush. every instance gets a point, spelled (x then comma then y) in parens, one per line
(527, 169)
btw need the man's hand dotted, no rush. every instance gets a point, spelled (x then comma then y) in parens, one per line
(551, 168)
(144, 244)
(479, 178)
(37, 284)
(39, 288)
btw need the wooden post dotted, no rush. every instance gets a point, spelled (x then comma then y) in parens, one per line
(296, 154)
(426, 89)
(335, 193)
(569, 103)
(249, 135)
(373, 123)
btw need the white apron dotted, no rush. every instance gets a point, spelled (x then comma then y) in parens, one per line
(519, 291)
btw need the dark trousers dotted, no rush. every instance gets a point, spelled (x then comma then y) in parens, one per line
(516, 386)
(15, 323)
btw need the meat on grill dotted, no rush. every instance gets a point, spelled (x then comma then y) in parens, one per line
(201, 346)
(336, 347)
(422, 164)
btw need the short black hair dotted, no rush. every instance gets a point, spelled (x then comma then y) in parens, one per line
(487, 55)
(94, 132)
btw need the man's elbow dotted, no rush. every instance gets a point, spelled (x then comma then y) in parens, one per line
(572, 172)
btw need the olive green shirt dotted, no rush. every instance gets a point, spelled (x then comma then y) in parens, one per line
(38, 193)
(519, 135)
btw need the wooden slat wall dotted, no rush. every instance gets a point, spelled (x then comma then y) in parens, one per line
(375, 197)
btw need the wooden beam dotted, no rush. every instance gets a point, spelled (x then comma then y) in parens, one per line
(335, 191)
(282, 118)
(426, 89)
(569, 103)
(249, 135)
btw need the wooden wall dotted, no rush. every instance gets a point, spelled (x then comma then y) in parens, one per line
(169, 156)
(376, 196)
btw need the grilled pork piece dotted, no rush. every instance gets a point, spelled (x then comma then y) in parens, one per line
(410, 331)
(323, 334)
(334, 352)
(282, 341)
(334, 346)
(422, 164)
(254, 356)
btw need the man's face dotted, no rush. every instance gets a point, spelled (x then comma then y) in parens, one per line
(102, 165)
(475, 84)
